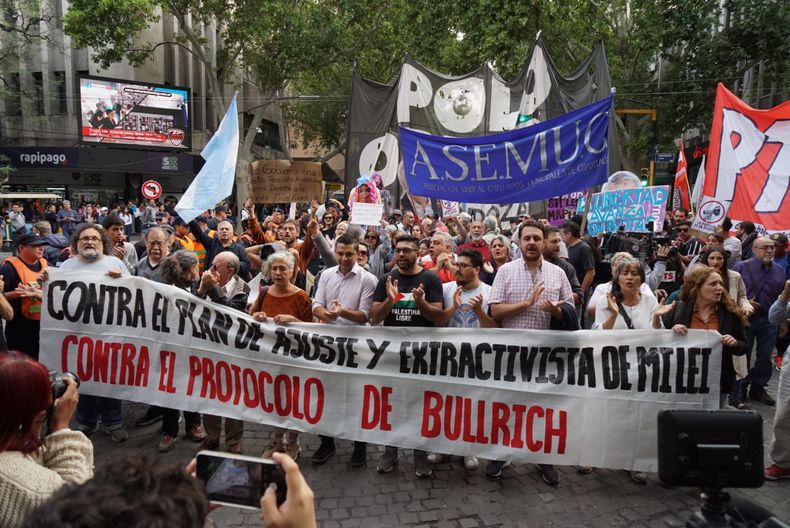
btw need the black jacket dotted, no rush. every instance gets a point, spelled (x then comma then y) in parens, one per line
(729, 323)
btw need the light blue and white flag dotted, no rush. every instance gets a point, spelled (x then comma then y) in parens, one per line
(214, 182)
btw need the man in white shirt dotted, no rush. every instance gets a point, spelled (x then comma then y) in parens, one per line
(343, 297)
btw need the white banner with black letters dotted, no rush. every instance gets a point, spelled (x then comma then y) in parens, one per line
(570, 398)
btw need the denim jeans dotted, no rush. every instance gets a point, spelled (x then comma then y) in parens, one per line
(91, 409)
(764, 333)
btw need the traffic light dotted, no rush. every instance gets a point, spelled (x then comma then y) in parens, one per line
(645, 176)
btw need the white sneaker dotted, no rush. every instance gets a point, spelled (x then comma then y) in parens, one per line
(436, 458)
(471, 463)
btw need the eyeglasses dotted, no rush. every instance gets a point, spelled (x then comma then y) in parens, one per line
(683, 229)
(370, 237)
(89, 239)
(404, 250)
(461, 265)
(766, 248)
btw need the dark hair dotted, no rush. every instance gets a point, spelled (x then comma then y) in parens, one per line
(532, 223)
(726, 224)
(348, 240)
(132, 491)
(703, 258)
(549, 229)
(408, 238)
(626, 262)
(748, 227)
(681, 209)
(573, 228)
(105, 240)
(25, 391)
(474, 256)
(177, 263)
(684, 223)
(718, 237)
(112, 219)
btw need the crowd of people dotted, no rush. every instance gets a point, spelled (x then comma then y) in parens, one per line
(408, 271)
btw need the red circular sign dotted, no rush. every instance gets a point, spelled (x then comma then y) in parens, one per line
(152, 190)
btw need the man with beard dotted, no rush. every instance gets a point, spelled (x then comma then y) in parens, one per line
(222, 241)
(343, 297)
(156, 248)
(90, 249)
(407, 296)
(21, 275)
(122, 249)
(476, 242)
(526, 294)
(764, 280)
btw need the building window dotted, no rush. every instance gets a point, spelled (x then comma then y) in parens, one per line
(13, 95)
(61, 101)
(38, 93)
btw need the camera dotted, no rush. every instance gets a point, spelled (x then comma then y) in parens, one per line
(711, 450)
(58, 385)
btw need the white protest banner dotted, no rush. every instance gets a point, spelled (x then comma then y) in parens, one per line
(586, 398)
(366, 213)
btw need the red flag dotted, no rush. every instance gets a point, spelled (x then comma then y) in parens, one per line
(680, 194)
(748, 168)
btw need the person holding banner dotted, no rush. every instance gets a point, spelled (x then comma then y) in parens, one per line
(182, 270)
(284, 303)
(343, 297)
(706, 305)
(527, 293)
(407, 296)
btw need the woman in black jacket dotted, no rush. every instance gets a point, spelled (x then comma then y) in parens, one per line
(706, 305)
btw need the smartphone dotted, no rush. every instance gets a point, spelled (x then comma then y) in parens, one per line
(238, 480)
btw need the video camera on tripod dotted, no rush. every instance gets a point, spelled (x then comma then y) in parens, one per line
(713, 450)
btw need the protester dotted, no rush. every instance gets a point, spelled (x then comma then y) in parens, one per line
(157, 249)
(603, 289)
(115, 227)
(732, 244)
(706, 305)
(690, 246)
(716, 258)
(31, 470)
(501, 254)
(780, 252)
(526, 294)
(343, 297)
(407, 296)
(780, 440)
(55, 245)
(580, 255)
(476, 242)
(747, 233)
(284, 303)
(442, 260)
(764, 280)
(551, 253)
(181, 270)
(221, 241)
(22, 276)
(18, 225)
(625, 307)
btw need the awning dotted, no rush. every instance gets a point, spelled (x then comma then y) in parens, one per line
(30, 196)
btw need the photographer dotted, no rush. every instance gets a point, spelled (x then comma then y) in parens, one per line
(32, 470)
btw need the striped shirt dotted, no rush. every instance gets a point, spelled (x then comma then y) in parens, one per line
(513, 284)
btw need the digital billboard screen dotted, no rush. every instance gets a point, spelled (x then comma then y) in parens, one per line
(123, 113)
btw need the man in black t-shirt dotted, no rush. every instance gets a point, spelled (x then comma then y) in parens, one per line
(407, 296)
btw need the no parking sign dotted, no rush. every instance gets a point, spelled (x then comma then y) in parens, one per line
(151, 190)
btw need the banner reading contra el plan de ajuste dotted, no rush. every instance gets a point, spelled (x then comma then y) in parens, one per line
(568, 398)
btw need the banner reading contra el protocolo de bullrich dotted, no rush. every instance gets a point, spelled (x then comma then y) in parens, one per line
(568, 398)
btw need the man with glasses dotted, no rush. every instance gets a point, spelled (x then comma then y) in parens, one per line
(90, 249)
(689, 246)
(407, 296)
(764, 280)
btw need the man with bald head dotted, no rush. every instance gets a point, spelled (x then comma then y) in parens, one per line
(222, 241)
(764, 280)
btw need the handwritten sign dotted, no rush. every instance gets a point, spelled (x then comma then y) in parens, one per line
(277, 181)
(366, 213)
(633, 209)
(560, 209)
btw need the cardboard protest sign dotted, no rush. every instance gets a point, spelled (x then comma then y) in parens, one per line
(633, 209)
(538, 396)
(561, 208)
(367, 213)
(277, 181)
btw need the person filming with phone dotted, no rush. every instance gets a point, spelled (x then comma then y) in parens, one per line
(33, 467)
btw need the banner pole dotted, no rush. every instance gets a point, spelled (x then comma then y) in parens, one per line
(587, 201)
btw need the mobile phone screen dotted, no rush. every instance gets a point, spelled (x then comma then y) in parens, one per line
(239, 480)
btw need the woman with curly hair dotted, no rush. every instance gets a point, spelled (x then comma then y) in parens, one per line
(365, 192)
(706, 305)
